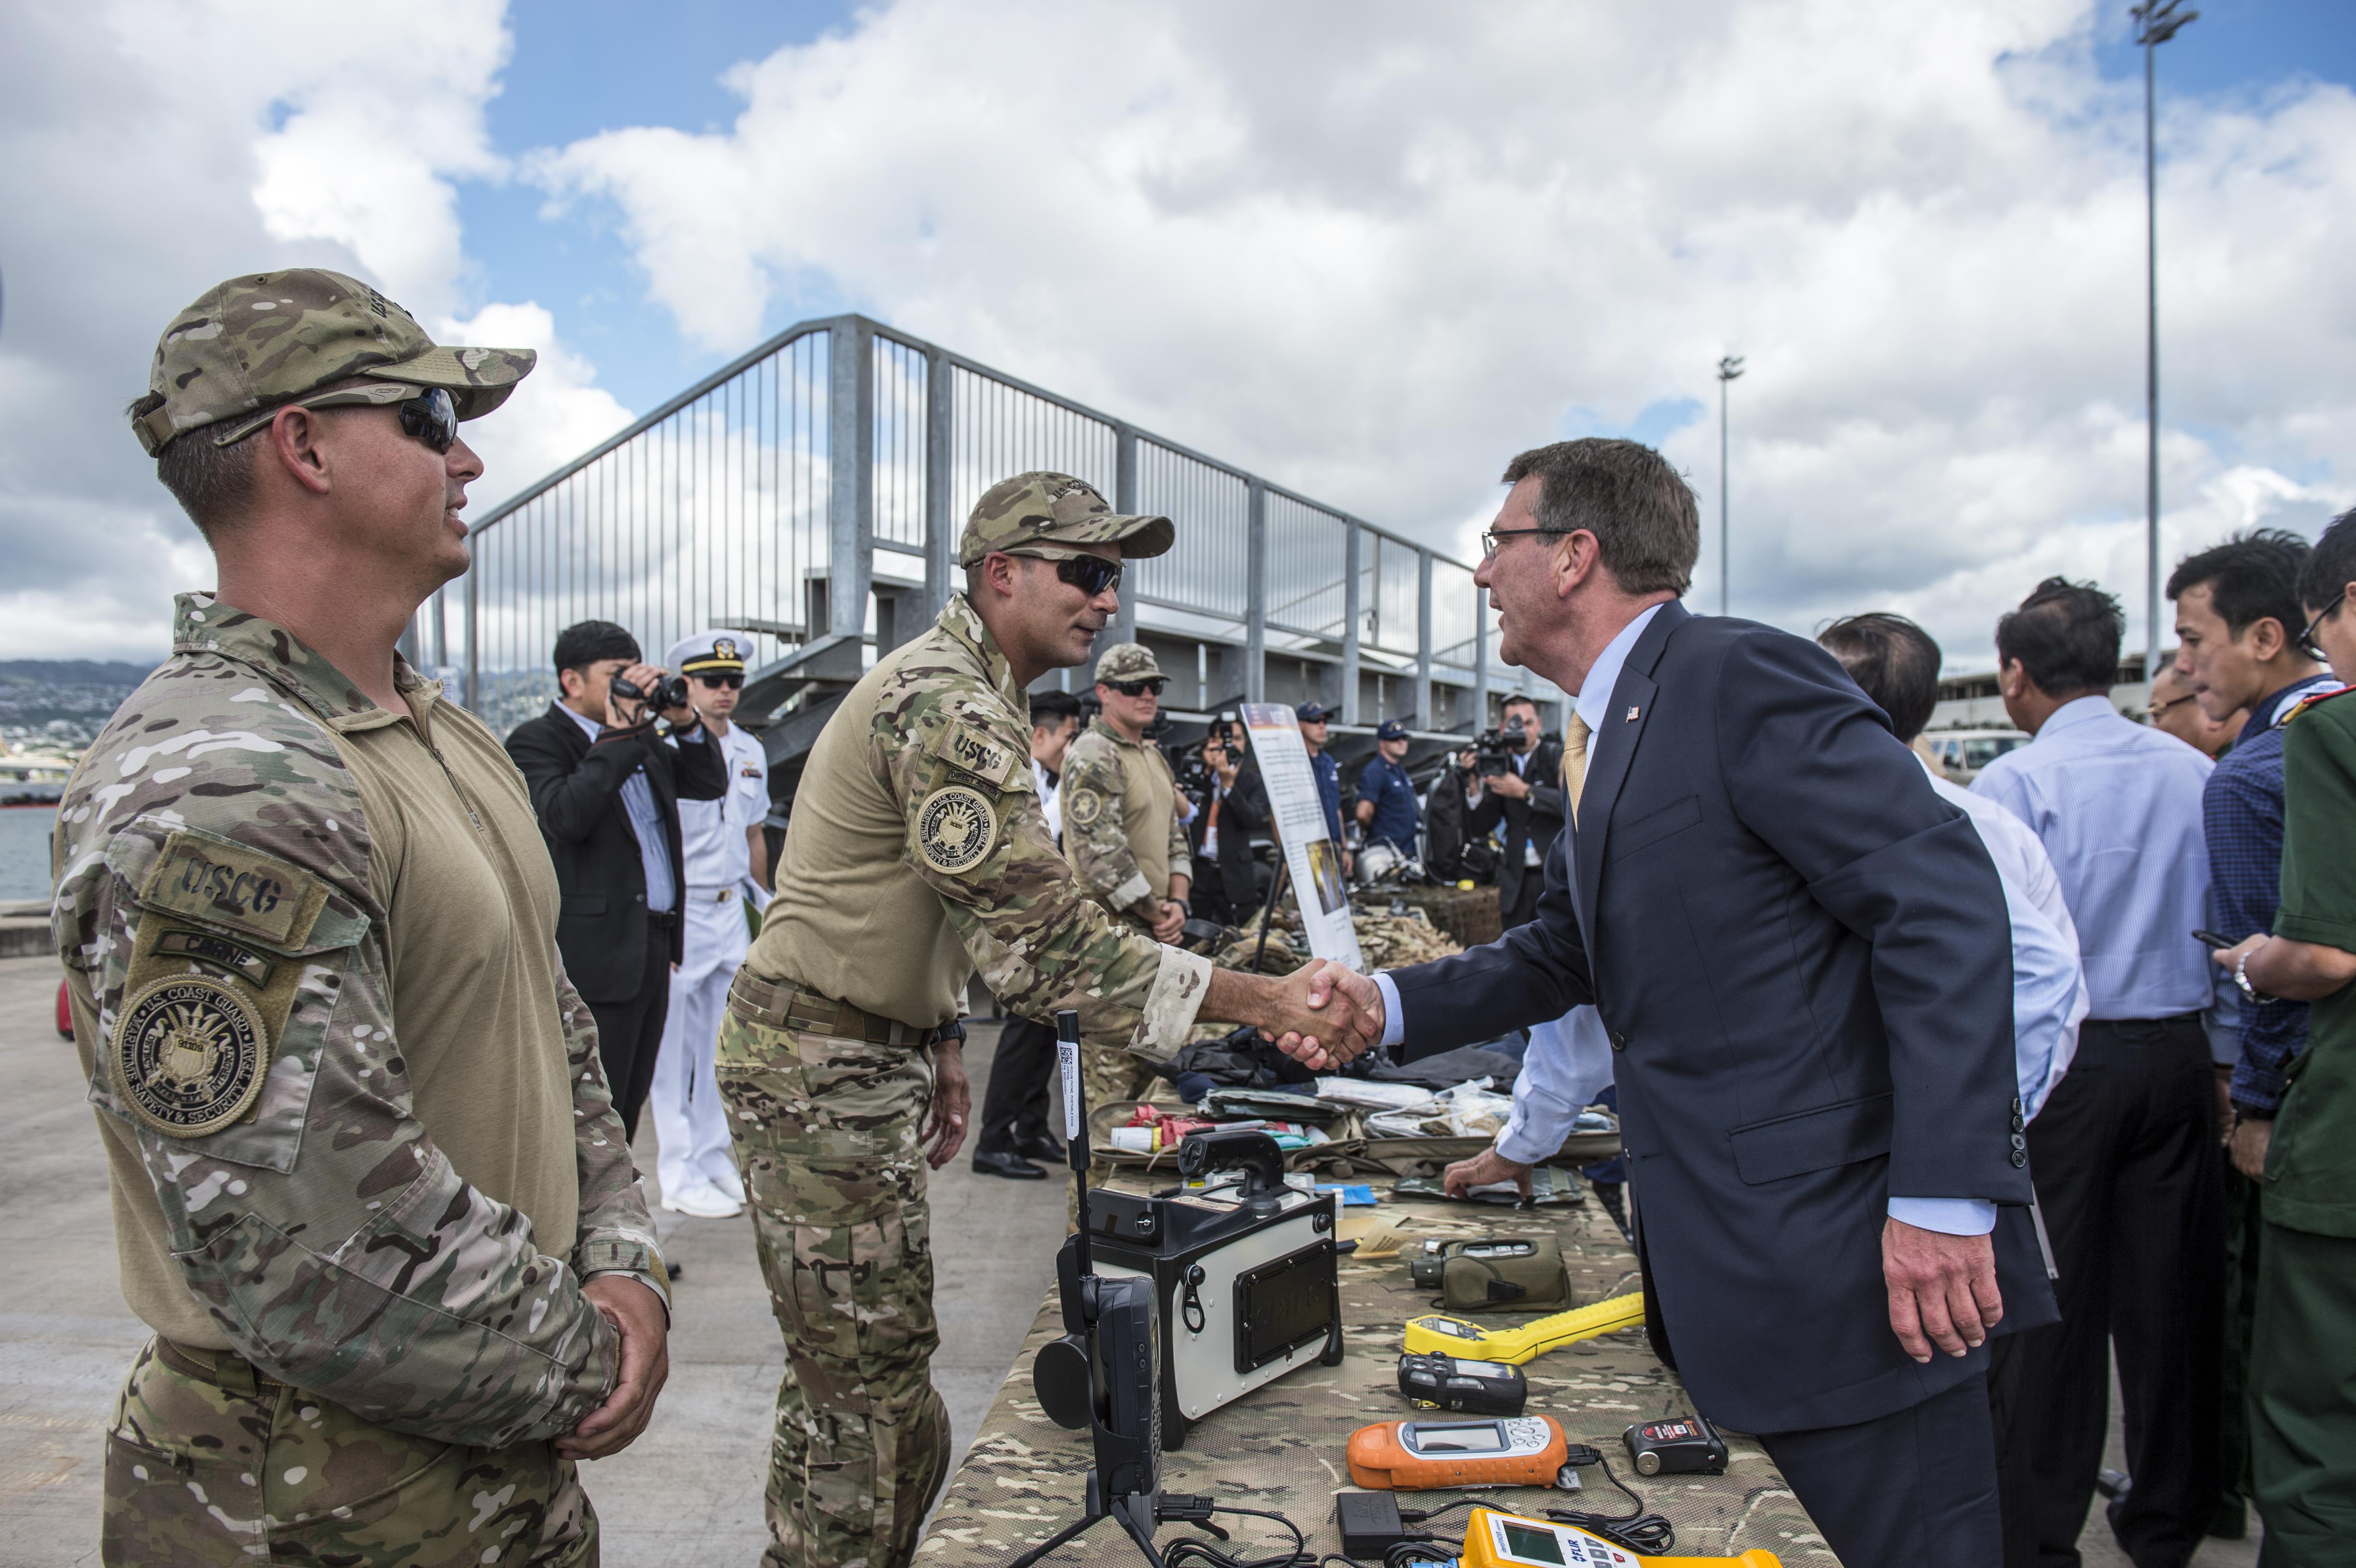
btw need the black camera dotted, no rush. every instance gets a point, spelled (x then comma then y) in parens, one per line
(671, 692)
(1493, 751)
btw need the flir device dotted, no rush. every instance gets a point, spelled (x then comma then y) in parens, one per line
(1430, 1261)
(1104, 1375)
(1427, 1455)
(1477, 1388)
(1442, 1334)
(1686, 1446)
(1495, 1539)
(1242, 1270)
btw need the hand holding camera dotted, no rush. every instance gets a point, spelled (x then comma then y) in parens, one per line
(634, 689)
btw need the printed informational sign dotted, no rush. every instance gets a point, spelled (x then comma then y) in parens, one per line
(1310, 852)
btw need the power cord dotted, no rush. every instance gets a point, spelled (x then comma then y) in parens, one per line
(1434, 1550)
(1647, 1534)
(1193, 1550)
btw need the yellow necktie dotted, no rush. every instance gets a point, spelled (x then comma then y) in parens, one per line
(1574, 761)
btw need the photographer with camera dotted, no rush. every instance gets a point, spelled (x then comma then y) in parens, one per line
(1228, 885)
(606, 791)
(1517, 780)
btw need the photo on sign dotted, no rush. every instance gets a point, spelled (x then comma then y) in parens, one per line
(1325, 870)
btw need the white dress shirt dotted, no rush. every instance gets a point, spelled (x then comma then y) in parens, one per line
(1051, 798)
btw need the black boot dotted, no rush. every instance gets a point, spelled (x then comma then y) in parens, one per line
(1009, 1165)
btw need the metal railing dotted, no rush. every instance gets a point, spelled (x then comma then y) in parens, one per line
(812, 492)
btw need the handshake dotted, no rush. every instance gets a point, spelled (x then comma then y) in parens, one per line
(1322, 1015)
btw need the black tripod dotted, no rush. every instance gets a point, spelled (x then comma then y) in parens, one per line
(1103, 1374)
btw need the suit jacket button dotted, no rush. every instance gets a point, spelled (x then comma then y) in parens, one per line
(1619, 1041)
(2020, 1141)
(2019, 1123)
(2019, 1158)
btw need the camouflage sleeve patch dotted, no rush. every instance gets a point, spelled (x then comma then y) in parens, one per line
(968, 746)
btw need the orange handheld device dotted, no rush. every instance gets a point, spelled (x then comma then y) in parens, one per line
(1428, 1455)
(1493, 1540)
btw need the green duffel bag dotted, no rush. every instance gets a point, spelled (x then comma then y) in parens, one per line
(1521, 1273)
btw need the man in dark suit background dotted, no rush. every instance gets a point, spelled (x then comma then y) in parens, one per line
(1222, 831)
(607, 789)
(1527, 799)
(1803, 963)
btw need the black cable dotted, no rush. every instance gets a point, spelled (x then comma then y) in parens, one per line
(1419, 1516)
(1194, 1549)
(1647, 1534)
(1435, 1550)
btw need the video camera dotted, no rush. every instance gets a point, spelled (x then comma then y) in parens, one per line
(1493, 751)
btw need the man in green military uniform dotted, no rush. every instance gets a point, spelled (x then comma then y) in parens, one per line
(1122, 834)
(2303, 1344)
(918, 854)
(368, 1189)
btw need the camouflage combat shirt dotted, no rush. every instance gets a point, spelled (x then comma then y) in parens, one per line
(1120, 821)
(347, 1095)
(918, 854)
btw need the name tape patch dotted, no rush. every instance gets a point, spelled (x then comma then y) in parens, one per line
(968, 747)
(227, 884)
(206, 947)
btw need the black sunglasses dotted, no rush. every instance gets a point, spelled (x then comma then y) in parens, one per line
(1092, 574)
(2307, 643)
(1140, 688)
(427, 413)
(732, 680)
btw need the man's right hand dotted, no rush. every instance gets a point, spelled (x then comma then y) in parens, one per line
(1483, 1168)
(1331, 986)
(625, 712)
(2248, 1146)
(636, 1314)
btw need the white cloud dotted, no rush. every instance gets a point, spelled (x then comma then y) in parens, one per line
(1373, 250)
(149, 149)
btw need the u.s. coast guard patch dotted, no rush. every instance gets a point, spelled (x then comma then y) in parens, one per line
(954, 828)
(189, 1055)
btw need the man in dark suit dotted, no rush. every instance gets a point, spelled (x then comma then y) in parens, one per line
(1802, 960)
(607, 789)
(1223, 830)
(1527, 799)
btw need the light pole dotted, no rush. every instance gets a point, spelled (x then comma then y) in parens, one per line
(1728, 369)
(2156, 21)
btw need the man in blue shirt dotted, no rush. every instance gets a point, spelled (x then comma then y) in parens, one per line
(1386, 795)
(1314, 719)
(2237, 626)
(2126, 1156)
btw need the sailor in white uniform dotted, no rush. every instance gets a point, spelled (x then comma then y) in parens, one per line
(726, 865)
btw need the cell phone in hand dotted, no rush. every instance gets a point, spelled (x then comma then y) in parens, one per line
(2210, 939)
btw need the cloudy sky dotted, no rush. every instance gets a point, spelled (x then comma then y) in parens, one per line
(1370, 250)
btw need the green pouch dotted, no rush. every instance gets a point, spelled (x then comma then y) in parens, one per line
(1518, 1273)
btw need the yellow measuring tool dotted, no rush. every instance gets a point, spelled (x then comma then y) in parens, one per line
(1442, 1335)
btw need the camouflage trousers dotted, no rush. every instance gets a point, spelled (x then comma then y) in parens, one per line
(208, 1463)
(826, 1136)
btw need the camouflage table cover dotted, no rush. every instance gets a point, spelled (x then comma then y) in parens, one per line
(1281, 1447)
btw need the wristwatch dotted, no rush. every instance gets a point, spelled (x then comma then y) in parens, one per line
(2241, 978)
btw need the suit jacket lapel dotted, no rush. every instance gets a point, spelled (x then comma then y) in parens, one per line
(1609, 752)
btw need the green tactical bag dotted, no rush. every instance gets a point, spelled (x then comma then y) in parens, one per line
(1517, 1274)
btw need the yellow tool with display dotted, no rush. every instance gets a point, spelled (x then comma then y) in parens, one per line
(1493, 1540)
(1439, 1335)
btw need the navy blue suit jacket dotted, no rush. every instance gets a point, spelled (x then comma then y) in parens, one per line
(1802, 959)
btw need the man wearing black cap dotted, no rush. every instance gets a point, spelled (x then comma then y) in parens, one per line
(1327, 772)
(1386, 795)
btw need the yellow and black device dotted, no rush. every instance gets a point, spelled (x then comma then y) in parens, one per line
(1493, 1540)
(1444, 1336)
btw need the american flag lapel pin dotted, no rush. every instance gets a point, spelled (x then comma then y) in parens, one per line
(1632, 714)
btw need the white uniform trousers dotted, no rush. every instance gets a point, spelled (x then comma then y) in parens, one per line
(691, 1125)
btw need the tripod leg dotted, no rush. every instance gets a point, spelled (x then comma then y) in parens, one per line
(1139, 1533)
(1068, 1533)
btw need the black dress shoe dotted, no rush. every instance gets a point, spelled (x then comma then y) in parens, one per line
(1039, 1146)
(1008, 1165)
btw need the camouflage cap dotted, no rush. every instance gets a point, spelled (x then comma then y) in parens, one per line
(1127, 661)
(1046, 508)
(265, 337)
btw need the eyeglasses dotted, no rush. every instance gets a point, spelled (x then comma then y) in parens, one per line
(2157, 708)
(1092, 574)
(730, 680)
(1138, 688)
(1490, 537)
(427, 414)
(2307, 643)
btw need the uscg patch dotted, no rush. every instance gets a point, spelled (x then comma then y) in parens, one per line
(969, 747)
(189, 1055)
(955, 826)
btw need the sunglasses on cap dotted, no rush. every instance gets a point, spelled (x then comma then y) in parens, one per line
(427, 414)
(1140, 688)
(1092, 574)
(731, 678)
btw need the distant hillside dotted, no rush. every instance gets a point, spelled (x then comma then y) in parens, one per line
(65, 701)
